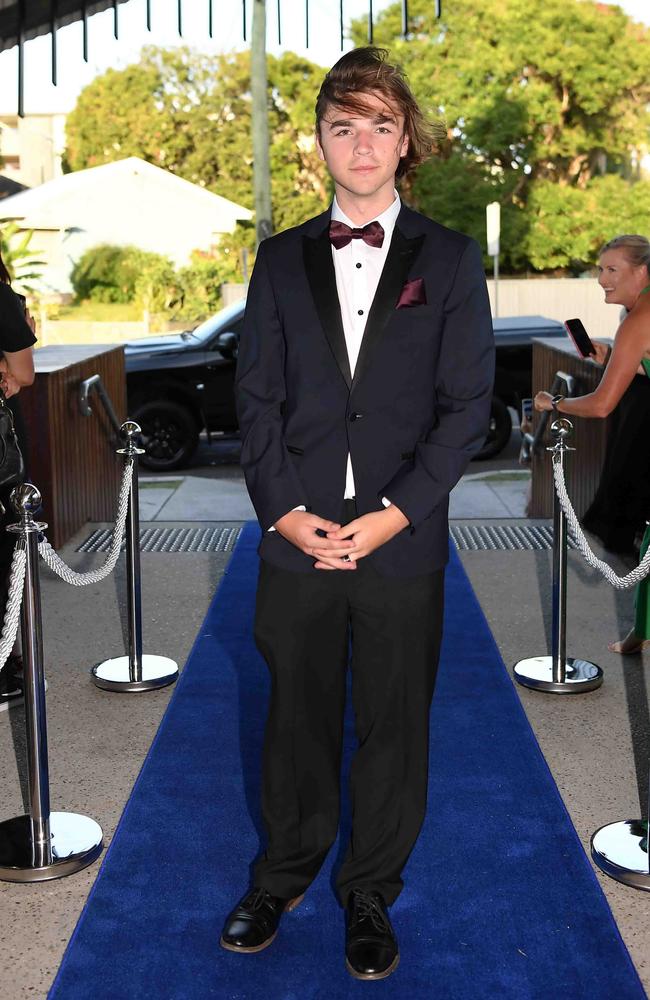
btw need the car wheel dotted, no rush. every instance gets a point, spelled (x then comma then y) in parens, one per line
(499, 431)
(169, 434)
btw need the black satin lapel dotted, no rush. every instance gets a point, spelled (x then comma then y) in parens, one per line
(317, 255)
(401, 256)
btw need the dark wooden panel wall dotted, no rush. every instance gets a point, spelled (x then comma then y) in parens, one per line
(588, 438)
(71, 458)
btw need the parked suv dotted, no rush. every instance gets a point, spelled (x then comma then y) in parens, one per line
(180, 385)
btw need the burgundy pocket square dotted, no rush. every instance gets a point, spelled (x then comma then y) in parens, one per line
(412, 294)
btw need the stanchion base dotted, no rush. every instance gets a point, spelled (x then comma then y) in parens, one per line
(116, 674)
(621, 851)
(76, 842)
(537, 672)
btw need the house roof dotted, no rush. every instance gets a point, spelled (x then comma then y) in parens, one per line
(119, 187)
(9, 187)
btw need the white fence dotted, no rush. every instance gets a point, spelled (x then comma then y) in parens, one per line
(558, 298)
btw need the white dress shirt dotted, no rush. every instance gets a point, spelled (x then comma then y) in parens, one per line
(358, 268)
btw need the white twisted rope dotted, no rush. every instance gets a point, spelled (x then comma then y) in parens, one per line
(620, 582)
(14, 602)
(61, 568)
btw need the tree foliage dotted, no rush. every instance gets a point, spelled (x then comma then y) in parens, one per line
(110, 273)
(190, 113)
(19, 258)
(542, 101)
(544, 104)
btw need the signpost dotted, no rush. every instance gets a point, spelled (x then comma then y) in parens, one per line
(493, 215)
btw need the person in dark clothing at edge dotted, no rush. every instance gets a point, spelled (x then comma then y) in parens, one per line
(363, 386)
(16, 370)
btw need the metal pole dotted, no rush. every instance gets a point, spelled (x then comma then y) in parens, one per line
(557, 674)
(260, 125)
(41, 845)
(35, 719)
(558, 604)
(138, 671)
(133, 577)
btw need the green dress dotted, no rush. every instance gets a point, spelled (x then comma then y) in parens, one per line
(642, 598)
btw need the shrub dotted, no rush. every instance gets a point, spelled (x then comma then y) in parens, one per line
(107, 273)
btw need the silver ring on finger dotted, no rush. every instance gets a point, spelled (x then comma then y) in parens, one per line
(345, 558)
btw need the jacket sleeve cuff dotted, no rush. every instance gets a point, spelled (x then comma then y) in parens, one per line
(301, 507)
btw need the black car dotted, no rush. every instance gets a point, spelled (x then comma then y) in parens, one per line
(182, 384)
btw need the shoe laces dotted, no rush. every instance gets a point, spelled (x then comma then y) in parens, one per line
(367, 907)
(256, 898)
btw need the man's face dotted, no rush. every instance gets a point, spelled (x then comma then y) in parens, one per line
(362, 154)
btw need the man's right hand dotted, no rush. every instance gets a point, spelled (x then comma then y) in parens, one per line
(299, 527)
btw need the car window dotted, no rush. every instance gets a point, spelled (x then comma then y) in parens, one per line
(229, 318)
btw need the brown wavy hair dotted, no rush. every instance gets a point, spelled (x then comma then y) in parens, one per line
(366, 71)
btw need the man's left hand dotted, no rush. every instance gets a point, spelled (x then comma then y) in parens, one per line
(368, 532)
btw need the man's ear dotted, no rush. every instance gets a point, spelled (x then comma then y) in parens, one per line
(319, 148)
(405, 145)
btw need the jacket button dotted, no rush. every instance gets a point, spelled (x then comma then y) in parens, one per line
(355, 416)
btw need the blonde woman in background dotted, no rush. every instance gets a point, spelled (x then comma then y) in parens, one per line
(624, 276)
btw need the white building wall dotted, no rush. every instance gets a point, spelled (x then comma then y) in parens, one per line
(32, 147)
(558, 298)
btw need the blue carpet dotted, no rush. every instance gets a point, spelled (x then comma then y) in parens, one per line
(500, 899)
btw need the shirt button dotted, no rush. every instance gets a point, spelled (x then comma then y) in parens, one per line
(358, 265)
(355, 416)
(360, 312)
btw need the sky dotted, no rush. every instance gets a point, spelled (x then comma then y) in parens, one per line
(105, 51)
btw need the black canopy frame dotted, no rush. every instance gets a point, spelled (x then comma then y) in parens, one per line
(22, 20)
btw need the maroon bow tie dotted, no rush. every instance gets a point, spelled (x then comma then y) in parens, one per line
(340, 234)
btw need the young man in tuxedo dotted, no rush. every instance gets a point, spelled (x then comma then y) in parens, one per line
(364, 383)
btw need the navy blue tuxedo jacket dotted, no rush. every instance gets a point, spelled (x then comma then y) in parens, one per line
(415, 412)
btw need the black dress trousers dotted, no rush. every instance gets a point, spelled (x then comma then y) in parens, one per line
(303, 627)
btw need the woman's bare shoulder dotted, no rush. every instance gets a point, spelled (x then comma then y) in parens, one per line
(636, 324)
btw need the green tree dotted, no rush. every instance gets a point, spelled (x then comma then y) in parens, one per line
(568, 225)
(18, 257)
(536, 97)
(190, 113)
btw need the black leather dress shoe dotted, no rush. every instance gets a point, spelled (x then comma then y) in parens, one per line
(371, 950)
(253, 923)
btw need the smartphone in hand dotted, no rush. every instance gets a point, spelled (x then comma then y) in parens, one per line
(580, 337)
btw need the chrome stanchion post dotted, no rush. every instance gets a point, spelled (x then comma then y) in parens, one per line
(133, 572)
(560, 547)
(41, 845)
(621, 851)
(557, 673)
(138, 671)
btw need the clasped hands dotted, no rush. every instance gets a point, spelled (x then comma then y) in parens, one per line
(340, 546)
